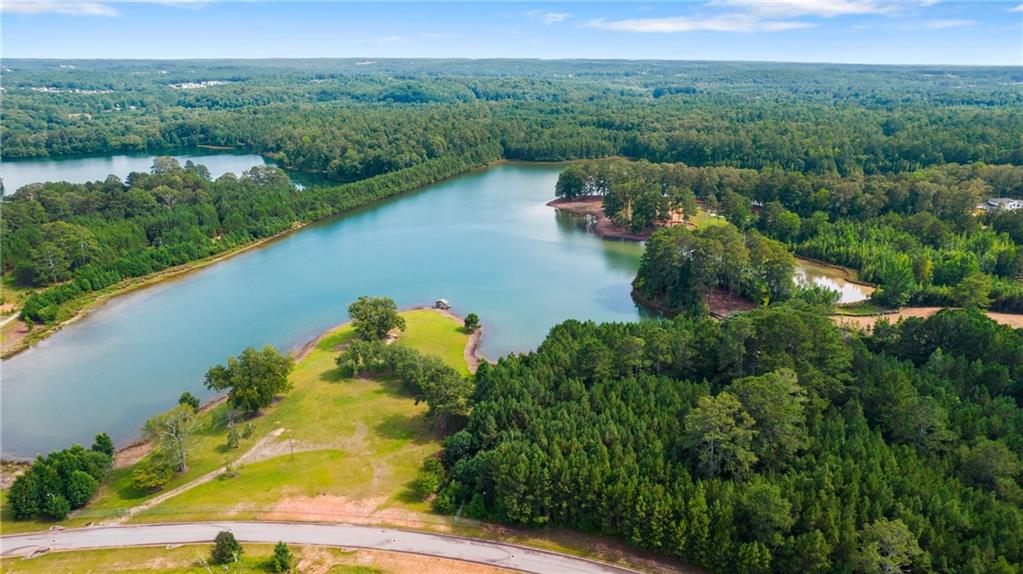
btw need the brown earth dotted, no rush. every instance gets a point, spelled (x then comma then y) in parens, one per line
(866, 322)
(604, 227)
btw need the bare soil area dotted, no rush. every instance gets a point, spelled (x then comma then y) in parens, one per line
(866, 322)
(603, 226)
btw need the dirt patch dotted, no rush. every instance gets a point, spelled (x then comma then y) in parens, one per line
(472, 357)
(593, 209)
(399, 563)
(320, 560)
(10, 470)
(325, 507)
(866, 322)
(333, 508)
(132, 453)
(14, 332)
(722, 303)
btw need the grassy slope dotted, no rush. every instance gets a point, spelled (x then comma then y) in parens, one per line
(371, 440)
(357, 438)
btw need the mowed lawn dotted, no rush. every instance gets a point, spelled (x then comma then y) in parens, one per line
(188, 560)
(349, 447)
(704, 218)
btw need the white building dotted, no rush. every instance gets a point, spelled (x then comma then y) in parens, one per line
(1008, 203)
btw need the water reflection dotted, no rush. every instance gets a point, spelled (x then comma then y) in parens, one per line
(832, 278)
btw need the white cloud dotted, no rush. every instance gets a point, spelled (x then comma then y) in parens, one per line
(795, 8)
(58, 7)
(722, 23)
(77, 8)
(555, 17)
(1016, 8)
(952, 23)
(823, 8)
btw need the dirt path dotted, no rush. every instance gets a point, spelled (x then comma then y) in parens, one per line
(867, 321)
(252, 453)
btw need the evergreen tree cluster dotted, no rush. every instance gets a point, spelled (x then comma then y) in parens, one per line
(767, 442)
(915, 234)
(61, 481)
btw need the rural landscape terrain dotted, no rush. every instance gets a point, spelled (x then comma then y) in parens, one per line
(415, 315)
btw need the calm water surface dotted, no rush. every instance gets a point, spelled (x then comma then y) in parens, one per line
(485, 241)
(832, 278)
(18, 173)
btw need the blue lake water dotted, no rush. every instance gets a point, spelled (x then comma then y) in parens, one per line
(18, 173)
(486, 241)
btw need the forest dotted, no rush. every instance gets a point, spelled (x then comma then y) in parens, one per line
(917, 234)
(350, 118)
(770, 441)
(82, 238)
(871, 167)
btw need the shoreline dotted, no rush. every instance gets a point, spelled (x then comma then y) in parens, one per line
(97, 299)
(592, 206)
(136, 449)
(100, 298)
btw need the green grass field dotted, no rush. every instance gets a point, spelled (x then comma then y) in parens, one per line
(704, 218)
(188, 560)
(357, 445)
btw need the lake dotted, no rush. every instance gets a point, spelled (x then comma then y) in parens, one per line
(18, 173)
(486, 241)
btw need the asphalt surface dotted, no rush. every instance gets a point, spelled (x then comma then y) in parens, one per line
(341, 535)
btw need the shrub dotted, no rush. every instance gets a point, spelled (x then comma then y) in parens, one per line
(189, 399)
(428, 478)
(225, 548)
(56, 507)
(281, 561)
(152, 475)
(81, 486)
(103, 444)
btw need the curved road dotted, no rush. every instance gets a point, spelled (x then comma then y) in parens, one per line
(349, 536)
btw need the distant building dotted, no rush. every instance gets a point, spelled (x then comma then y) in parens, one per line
(1008, 203)
(442, 304)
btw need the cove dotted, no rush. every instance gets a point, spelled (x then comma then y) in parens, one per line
(486, 241)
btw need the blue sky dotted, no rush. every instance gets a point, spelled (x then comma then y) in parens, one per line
(848, 31)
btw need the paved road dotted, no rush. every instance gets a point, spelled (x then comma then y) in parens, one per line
(349, 536)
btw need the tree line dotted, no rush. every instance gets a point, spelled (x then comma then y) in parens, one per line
(351, 121)
(82, 238)
(914, 234)
(767, 442)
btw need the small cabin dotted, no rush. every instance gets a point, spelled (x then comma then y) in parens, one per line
(1006, 203)
(442, 304)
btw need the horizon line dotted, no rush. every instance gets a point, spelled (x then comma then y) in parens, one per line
(507, 58)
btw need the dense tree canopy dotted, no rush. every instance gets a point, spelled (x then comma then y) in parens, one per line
(767, 442)
(61, 481)
(915, 234)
